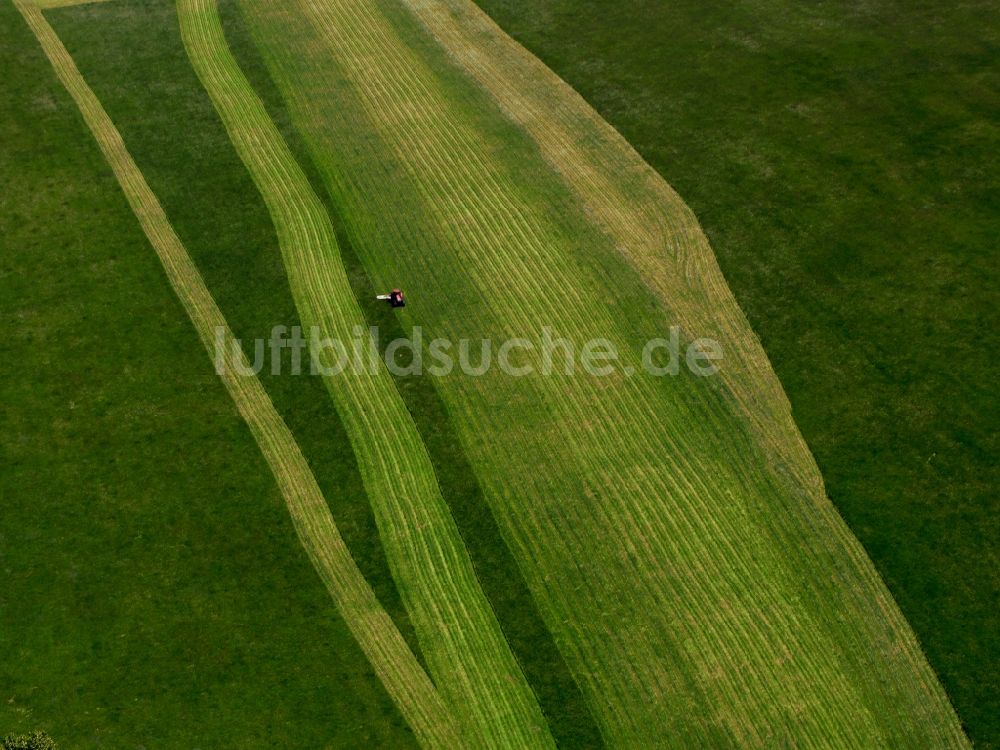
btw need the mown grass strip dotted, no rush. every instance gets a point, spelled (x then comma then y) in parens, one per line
(644, 514)
(51, 4)
(562, 703)
(460, 636)
(653, 228)
(562, 475)
(391, 658)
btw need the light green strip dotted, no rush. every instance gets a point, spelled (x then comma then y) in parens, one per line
(465, 648)
(659, 235)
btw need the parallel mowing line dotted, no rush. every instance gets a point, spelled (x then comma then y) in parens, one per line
(394, 663)
(656, 231)
(652, 227)
(466, 650)
(671, 584)
(414, 86)
(478, 171)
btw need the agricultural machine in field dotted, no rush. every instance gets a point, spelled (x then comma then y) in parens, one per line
(394, 298)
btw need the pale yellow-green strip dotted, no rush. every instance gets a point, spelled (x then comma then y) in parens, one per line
(49, 4)
(466, 650)
(391, 658)
(651, 225)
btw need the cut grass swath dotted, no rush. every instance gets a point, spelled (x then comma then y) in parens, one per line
(645, 218)
(657, 233)
(52, 4)
(392, 660)
(458, 632)
(700, 591)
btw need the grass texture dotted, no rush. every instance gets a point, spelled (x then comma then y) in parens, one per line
(392, 659)
(844, 159)
(698, 584)
(154, 589)
(673, 533)
(460, 636)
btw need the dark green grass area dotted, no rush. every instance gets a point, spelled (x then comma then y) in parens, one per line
(154, 592)
(843, 158)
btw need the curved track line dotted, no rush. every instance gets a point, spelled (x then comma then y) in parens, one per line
(468, 656)
(395, 664)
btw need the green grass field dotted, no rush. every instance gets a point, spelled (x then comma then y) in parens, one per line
(842, 158)
(620, 560)
(154, 591)
(454, 149)
(473, 664)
